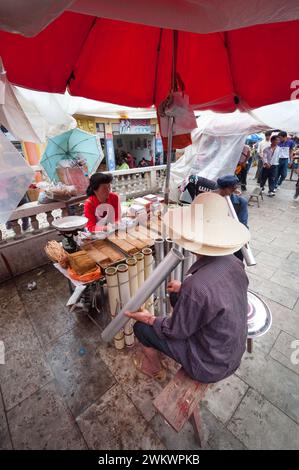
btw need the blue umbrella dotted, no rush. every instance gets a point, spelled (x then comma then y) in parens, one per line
(72, 148)
(252, 138)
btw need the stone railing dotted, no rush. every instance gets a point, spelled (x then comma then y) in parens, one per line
(139, 181)
(127, 183)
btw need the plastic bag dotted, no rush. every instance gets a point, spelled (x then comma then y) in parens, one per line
(55, 192)
(15, 178)
(177, 106)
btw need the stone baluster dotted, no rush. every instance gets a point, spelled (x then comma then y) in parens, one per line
(16, 228)
(35, 224)
(50, 218)
(147, 181)
(153, 178)
(134, 190)
(115, 184)
(129, 185)
(138, 177)
(122, 185)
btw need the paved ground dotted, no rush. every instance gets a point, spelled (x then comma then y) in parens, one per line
(61, 388)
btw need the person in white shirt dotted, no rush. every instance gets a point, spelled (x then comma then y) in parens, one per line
(270, 158)
(261, 147)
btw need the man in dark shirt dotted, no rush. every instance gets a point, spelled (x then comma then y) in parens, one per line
(207, 330)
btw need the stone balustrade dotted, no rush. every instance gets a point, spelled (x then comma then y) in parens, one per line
(127, 183)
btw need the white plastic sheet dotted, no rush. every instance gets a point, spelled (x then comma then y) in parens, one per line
(216, 148)
(15, 178)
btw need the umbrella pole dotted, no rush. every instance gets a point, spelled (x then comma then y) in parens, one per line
(168, 162)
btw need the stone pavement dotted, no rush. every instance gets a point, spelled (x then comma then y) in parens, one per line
(62, 388)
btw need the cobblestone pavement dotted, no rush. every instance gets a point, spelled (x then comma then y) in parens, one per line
(62, 388)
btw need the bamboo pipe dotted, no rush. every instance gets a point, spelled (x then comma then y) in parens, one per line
(140, 268)
(159, 275)
(148, 269)
(113, 296)
(161, 292)
(124, 290)
(133, 275)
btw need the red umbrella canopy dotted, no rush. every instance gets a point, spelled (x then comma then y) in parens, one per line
(131, 64)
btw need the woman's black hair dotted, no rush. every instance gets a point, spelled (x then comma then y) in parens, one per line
(96, 180)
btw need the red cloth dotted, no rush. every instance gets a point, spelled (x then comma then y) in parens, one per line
(93, 205)
(221, 71)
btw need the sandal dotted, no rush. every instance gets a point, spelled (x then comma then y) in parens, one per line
(138, 361)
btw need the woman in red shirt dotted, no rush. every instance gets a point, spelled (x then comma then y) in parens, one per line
(102, 206)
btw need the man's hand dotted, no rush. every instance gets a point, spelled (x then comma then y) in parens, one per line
(143, 315)
(174, 286)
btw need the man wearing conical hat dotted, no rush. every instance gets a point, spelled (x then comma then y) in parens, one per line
(207, 330)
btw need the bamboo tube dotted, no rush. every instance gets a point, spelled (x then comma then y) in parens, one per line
(140, 268)
(133, 275)
(161, 292)
(124, 290)
(148, 269)
(158, 276)
(113, 296)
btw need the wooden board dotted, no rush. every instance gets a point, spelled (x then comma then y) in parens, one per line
(143, 234)
(95, 253)
(179, 398)
(139, 244)
(106, 253)
(124, 245)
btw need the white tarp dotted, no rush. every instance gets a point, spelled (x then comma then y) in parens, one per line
(201, 16)
(15, 177)
(31, 116)
(216, 148)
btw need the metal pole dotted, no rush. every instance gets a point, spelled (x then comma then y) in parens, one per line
(169, 152)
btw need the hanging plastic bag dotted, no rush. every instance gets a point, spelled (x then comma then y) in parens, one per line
(177, 105)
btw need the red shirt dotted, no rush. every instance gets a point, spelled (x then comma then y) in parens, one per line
(99, 213)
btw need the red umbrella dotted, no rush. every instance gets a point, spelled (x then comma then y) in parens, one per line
(131, 64)
(135, 64)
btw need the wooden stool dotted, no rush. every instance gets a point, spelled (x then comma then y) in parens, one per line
(179, 402)
(256, 194)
